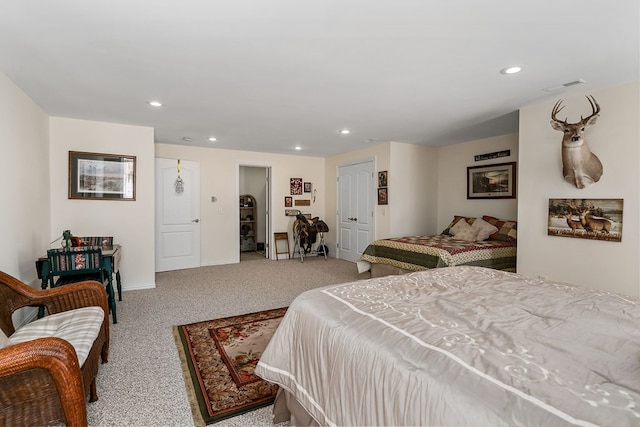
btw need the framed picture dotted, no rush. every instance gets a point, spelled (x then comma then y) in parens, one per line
(288, 201)
(593, 219)
(101, 176)
(307, 187)
(303, 202)
(382, 179)
(295, 185)
(496, 181)
(383, 196)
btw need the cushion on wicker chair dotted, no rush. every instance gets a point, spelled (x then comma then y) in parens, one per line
(4, 339)
(79, 327)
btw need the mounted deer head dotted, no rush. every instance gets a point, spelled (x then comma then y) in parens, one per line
(579, 165)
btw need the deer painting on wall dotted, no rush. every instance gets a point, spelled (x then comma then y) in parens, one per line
(579, 165)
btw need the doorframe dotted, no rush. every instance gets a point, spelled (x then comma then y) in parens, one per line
(373, 159)
(269, 225)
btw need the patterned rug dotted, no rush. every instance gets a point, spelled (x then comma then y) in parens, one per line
(218, 360)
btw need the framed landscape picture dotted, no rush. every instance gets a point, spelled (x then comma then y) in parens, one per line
(101, 176)
(492, 181)
(593, 219)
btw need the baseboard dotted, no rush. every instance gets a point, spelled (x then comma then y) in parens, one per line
(137, 286)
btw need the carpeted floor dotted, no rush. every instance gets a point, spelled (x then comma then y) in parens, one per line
(142, 384)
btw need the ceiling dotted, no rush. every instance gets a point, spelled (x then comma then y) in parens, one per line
(267, 75)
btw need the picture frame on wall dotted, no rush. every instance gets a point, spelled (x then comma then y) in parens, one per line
(288, 201)
(295, 185)
(383, 196)
(100, 176)
(591, 219)
(497, 181)
(307, 187)
(382, 179)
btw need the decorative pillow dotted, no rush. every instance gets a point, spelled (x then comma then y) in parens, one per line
(507, 229)
(463, 231)
(456, 218)
(483, 229)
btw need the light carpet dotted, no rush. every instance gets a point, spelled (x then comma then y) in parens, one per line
(142, 385)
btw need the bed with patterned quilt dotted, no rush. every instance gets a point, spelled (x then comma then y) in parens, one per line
(483, 242)
(457, 346)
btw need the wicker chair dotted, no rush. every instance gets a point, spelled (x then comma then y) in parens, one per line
(41, 382)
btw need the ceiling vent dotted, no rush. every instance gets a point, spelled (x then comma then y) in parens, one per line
(568, 84)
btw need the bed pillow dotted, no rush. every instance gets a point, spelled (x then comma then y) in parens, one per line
(456, 218)
(463, 231)
(507, 229)
(483, 229)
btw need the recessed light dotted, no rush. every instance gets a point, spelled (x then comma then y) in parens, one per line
(155, 103)
(297, 147)
(212, 139)
(511, 70)
(344, 131)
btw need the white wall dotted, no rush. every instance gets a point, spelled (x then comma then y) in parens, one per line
(453, 161)
(413, 184)
(615, 139)
(24, 216)
(131, 223)
(220, 177)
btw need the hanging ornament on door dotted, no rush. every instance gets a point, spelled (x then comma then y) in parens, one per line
(179, 184)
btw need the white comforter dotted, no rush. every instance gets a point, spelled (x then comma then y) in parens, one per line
(460, 346)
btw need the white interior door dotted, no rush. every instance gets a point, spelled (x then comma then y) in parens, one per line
(355, 209)
(177, 215)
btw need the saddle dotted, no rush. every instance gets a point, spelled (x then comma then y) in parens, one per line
(308, 230)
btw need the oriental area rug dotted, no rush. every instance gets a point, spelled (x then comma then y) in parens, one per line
(218, 360)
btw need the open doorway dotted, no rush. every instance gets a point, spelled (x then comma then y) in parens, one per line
(253, 187)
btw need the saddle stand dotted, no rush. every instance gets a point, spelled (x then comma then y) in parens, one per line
(305, 235)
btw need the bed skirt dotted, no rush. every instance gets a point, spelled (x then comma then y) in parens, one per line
(287, 408)
(379, 270)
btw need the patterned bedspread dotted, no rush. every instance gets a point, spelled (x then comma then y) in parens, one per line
(417, 253)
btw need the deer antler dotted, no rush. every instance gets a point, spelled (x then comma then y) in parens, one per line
(594, 107)
(556, 109)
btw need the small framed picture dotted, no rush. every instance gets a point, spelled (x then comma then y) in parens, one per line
(383, 196)
(295, 186)
(307, 187)
(382, 179)
(288, 201)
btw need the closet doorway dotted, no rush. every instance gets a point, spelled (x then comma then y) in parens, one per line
(254, 180)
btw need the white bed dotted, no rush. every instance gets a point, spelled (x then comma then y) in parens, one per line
(458, 346)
